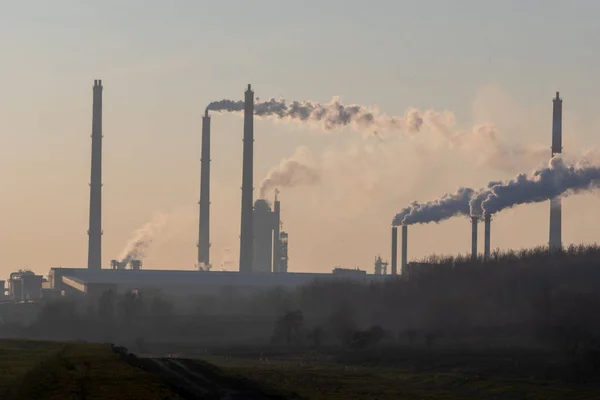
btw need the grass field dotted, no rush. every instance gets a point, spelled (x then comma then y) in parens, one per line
(328, 380)
(32, 370)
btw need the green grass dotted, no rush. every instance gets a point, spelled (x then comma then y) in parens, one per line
(322, 380)
(46, 370)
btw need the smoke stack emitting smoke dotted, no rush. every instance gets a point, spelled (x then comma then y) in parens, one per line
(541, 185)
(293, 171)
(141, 239)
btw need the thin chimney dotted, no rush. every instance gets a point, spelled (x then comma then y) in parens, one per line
(204, 223)
(474, 221)
(555, 240)
(487, 238)
(394, 250)
(95, 226)
(276, 228)
(246, 236)
(404, 248)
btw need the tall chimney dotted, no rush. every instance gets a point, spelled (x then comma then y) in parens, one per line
(487, 238)
(474, 221)
(555, 242)
(276, 227)
(404, 248)
(95, 227)
(246, 239)
(204, 224)
(394, 250)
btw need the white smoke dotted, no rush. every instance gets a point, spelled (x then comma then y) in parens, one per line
(299, 169)
(543, 184)
(482, 140)
(448, 206)
(557, 179)
(138, 244)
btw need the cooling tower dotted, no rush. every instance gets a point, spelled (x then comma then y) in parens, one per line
(394, 250)
(487, 238)
(404, 248)
(204, 223)
(555, 241)
(246, 240)
(95, 227)
(474, 222)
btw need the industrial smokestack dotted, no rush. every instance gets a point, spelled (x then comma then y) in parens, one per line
(204, 224)
(95, 227)
(404, 248)
(276, 227)
(246, 239)
(487, 238)
(394, 250)
(474, 221)
(555, 241)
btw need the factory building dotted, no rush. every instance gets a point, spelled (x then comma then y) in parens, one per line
(25, 286)
(270, 243)
(81, 281)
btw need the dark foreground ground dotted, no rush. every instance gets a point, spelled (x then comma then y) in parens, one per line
(31, 370)
(52, 370)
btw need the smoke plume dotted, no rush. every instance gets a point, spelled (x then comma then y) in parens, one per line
(557, 179)
(329, 116)
(481, 141)
(541, 185)
(448, 206)
(141, 239)
(297, 170)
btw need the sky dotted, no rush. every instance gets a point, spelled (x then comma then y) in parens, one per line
(161, 63)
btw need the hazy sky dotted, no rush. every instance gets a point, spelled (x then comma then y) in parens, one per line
(161, 62)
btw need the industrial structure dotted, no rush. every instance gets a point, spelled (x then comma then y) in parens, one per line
(24, 285)
(487, 238)
(246, 239)
(404, 247)
(270, 243)
(555, 241)
(204, 223)
(474, 223)
(404, 253)
(394, 250)
(178, 283)
(95, 227)
(380, 266)
(133, 264)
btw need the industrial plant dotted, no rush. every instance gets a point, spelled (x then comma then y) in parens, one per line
(263, 255)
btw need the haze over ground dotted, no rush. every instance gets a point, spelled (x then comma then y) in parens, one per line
(162, 63)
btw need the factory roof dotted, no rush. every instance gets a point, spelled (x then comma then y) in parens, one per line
(191, 277)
